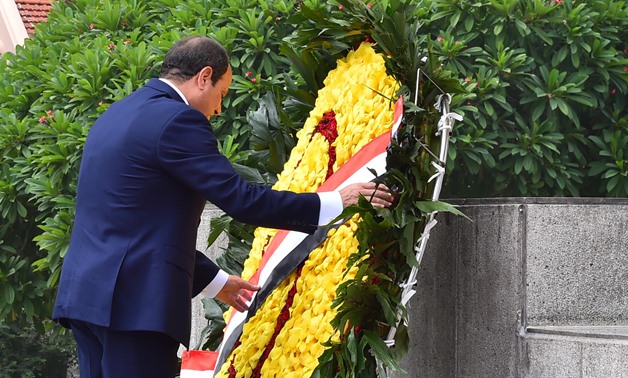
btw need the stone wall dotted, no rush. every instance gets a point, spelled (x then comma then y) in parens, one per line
(528, 288)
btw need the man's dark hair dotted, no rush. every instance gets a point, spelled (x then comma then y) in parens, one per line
(190, 55)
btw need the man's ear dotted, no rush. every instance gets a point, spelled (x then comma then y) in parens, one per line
(205, 76)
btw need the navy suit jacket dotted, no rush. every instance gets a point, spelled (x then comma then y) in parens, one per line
(149, 164)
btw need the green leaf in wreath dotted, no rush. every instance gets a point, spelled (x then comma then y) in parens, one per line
(439, 206)
(381, 351)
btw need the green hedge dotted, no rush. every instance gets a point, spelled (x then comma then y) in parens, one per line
(26, 352)
(546, 113)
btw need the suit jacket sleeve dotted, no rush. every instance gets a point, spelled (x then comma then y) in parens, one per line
(188, 150)
(204, 272)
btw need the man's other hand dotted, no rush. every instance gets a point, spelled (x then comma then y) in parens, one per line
(237, 292)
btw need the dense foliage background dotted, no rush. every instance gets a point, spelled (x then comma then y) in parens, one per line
(545, 112)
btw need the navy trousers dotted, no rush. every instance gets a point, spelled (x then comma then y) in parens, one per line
(106, 353)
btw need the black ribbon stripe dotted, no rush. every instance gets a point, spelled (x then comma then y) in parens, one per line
(283, 270)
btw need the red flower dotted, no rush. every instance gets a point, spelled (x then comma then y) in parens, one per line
(42, 119)
(127, 42)
(124, 24)
(328, 128)
(467, 80)
(440, 39)
(248, 73)
(111, 46)
(558, 2)
(100, 103)
(254, 80)
(369, 6)
(232, 370)
(613, 91)
(91, 26)
(341, 7)
(625, 68)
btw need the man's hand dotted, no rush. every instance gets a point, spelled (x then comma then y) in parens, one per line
(382, 197)
(237, 292)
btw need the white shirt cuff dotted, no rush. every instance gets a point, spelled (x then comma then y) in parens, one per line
(331, 207)
(216, 285)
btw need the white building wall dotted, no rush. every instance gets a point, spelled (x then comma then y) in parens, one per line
(12, 30)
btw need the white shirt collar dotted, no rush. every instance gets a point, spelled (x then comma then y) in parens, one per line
(176, 89)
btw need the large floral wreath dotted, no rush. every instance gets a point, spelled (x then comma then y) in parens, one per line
(286, 336)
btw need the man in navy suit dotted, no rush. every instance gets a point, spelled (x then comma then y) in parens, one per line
(149, 165)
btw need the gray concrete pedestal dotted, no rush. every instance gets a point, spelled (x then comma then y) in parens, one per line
(528, 288)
